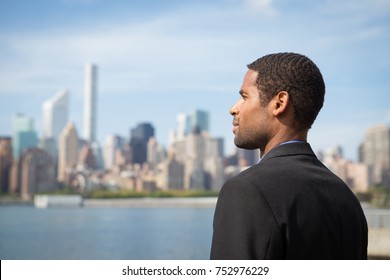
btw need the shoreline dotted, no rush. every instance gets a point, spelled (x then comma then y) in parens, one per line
(149, 202)
(144, 202)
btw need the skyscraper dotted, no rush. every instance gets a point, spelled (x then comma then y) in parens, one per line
(171, 174)
(199, 120)
(90, 99)
(67, 150)
(24, 135)
(155, 152)
(201, 156)
(55, 115)
(114, 144)
(37, 172)
(5, 163)
(87, 159)
(138, 141)
(183, 126)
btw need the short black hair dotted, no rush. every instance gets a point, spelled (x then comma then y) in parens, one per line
(296, 74)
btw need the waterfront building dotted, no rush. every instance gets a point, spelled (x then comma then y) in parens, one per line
(90, 102)
(170, 174)
(376, 152)
(24, 135)
(147, 180)
(14, 180)
(68, 151)
(6, 159)
(37, 172)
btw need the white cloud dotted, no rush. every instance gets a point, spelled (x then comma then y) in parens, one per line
(265, 7)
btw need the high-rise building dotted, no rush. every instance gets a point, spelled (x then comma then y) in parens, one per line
(199, 120)
(67, 151)
(215, 173)
(37, 172)
(201, 156)
(139, 138)
(171, 174)
(247, 158)
(55, 115)
(114, 144)
(49, 145)
(87, 159)
(183, 126)
(98, 155)
(376, 152)
(155, 152)
(14, 177)
(90, 102)
(5, 163)
(194, 174)
(24, 135)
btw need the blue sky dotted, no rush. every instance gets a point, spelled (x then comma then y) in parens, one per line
(160, 58)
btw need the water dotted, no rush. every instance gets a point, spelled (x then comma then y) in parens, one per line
(116, 233)
(377, 218)
(105, 233)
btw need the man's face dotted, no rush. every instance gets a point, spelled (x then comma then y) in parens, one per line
(251, 122)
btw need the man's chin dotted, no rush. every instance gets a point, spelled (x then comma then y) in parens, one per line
(244, 145)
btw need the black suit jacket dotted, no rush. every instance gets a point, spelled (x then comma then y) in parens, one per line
(288, 206)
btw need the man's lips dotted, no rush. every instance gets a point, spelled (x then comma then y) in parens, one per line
(235, 126)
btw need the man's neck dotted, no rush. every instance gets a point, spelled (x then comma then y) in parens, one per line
(284, 138)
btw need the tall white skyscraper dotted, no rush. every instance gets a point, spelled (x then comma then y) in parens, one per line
(90, 99)
(55, 115)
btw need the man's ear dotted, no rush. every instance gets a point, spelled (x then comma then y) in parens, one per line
(280, 103)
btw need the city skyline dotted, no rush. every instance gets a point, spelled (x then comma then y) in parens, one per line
(175, 134)
(158, 60)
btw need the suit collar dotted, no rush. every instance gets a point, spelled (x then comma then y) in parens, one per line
(288, 149)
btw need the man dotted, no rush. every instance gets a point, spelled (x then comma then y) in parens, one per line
(289, 205)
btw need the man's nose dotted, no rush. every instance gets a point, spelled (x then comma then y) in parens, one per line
(234, 110)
